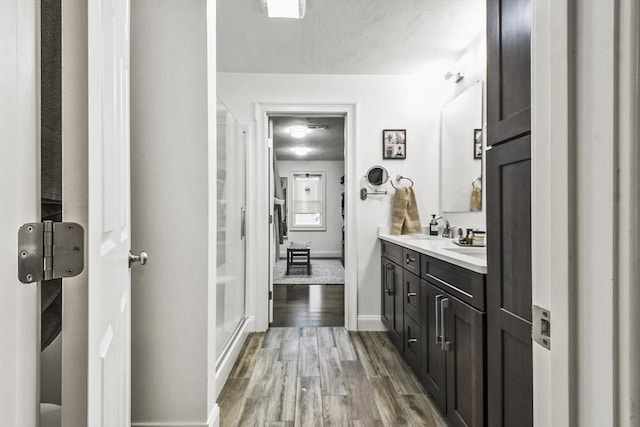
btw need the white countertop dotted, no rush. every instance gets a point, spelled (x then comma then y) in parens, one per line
(475, 258)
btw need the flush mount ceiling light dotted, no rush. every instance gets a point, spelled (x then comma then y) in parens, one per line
(298, 131)
(301, 151)
(285, 8)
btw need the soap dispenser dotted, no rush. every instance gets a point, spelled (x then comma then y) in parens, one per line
(433, 226)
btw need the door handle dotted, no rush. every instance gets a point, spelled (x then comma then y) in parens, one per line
(142, 258)
(390, 290)
(243, 211)
(444, 304)
(438, 319)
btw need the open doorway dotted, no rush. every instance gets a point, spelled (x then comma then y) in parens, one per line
(308, 239)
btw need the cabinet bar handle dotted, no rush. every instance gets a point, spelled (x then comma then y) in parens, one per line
(411, 294)
(443, 324)
(413, 340)
(410, 260)
(437, 320)
(387, 289)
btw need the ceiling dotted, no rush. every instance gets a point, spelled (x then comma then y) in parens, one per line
(324, 144)
(347, 36)
(343, 37)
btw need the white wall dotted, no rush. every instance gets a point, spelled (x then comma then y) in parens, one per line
(173, 161)
(383, 102)
(324, 243)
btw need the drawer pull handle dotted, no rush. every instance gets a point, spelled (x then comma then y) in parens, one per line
(413, 340)
(410, 260)
(411, 294)
(437, 313)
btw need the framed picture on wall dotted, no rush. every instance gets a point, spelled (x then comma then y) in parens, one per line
(477, 143)
(394, 144)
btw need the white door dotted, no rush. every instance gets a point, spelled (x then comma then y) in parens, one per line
(109, 226)
(19, 201)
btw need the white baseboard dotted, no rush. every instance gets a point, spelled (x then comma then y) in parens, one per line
(224, 369)
(212, 421)
(370, 323)
(317, 254)
(214, 418)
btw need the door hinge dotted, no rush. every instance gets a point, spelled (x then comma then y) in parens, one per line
(270, 295)
(270, 219)
(50, 250)
(541, 326)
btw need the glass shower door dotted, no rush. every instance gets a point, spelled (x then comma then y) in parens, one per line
(231, 192)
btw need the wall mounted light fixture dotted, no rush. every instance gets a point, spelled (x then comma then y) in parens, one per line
(294, 9)
(454, 75)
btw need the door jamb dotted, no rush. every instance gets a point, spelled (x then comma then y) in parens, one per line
(262, 198)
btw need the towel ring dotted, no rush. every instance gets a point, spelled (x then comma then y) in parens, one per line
(400, 177)
(479, 180)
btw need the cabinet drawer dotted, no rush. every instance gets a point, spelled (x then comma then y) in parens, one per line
(412, 295)
(413, 343)
(411, 261)
(466, 285)
(391, 251)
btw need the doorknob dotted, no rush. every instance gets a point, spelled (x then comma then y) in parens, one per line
(142, 258)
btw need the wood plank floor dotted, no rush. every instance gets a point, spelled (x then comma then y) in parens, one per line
(323, 377)
(308, 305)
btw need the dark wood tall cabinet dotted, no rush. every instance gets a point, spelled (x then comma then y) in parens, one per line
(509, 344)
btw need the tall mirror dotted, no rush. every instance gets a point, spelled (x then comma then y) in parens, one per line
(461, 161)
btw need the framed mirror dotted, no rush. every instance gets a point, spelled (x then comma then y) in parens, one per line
(377, 176)
(462, 152)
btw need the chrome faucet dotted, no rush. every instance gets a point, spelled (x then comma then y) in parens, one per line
(446, 231)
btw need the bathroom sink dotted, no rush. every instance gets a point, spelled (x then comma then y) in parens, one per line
(474, 252)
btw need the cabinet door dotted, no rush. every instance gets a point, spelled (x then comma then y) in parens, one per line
(508, 69)
(433, 373)
(411, 295)
(464, 346)
(509, 352)
(387, 295)
(392, 311)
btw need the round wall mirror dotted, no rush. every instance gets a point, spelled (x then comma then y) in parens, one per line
(377, 175)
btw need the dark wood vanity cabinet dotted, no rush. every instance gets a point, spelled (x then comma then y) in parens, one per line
(443, 329)
(453, 372)
(508, 69)
(508, 190)
(392, 310)
(510, 362)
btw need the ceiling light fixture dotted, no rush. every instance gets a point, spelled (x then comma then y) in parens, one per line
(301, 151)
(285, 8)
(298, 131)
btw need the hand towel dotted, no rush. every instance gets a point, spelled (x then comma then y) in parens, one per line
(405, 218)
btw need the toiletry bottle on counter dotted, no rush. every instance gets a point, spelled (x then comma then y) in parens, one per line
(433, 226)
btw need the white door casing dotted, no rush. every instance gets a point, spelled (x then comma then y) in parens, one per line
(585, 210)
(109, 230)
(274, 247)
(264, 205)
(19, 199)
